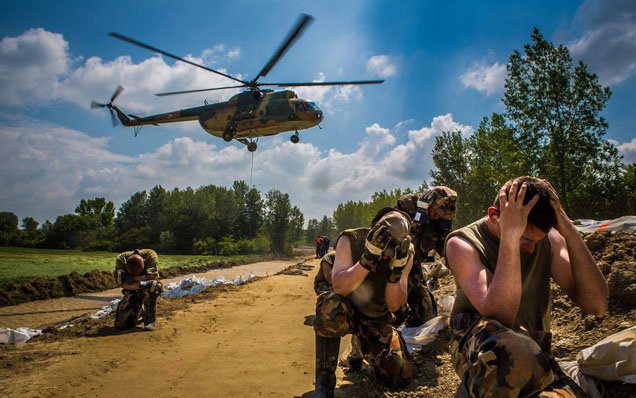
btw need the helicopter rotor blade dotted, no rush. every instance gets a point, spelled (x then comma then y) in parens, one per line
(146, 46)
(291, 37)
(95, 104)
(195, 91)
(113, 118)
(357, 82)
(118, 91)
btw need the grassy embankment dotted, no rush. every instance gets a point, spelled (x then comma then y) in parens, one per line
(21, 264)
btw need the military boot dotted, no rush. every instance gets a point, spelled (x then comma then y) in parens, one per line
(327, 349)
(150, 308)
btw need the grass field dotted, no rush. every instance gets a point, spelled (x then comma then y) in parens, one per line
(20, 264)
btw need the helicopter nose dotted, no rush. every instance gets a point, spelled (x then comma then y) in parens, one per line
(319, 115)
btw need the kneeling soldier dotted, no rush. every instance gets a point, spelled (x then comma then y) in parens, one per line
(369, 276)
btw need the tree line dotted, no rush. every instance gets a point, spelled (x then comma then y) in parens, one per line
(208, 220)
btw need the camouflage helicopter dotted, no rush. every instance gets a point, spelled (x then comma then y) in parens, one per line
(246, 116)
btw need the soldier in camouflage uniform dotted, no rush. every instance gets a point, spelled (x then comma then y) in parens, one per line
(136, 272)
(370, 277)
(502, 265)
(432, 214)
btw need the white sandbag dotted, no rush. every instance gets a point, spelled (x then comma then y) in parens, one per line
(19, 335)
(624, 224)
(613, 358)
(587, 383)
(427, 333)
(106, 309)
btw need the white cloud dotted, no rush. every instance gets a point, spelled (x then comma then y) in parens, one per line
(382, 65)
(31, 66)
(329, 98)
(626, 149)
(487, 79)
(47, 169)
(37, 66)
(608, 45)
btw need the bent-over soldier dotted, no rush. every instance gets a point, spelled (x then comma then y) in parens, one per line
(137, 274)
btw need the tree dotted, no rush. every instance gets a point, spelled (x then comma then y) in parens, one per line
(282, 221)
(8, 222)
(29, 224)
(556, 112)
(97, 209)
(133, 213)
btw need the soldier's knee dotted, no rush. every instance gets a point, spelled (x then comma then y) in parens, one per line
(334, 315)
(395, 364)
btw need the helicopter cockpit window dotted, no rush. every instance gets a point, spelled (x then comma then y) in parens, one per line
(298, 106)
(310, 106)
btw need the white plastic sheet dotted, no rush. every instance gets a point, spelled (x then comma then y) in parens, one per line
(427, 333)
(624, 224)
(19, 335)
(195, 285)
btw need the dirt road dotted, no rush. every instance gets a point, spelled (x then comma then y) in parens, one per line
(39, 313)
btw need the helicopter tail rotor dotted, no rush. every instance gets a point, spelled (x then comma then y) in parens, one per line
(113, 117)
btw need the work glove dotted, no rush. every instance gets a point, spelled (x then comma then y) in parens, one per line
(399, 258)
(151, 286)
(377, 240)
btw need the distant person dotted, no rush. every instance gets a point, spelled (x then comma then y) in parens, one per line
(500, 322)
(432, 212)
(136, 272)
(325, 246)
(319, 241)
(370, 277)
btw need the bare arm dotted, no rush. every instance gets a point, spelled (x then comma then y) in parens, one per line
(346, 276)
(495, 295)
(573, 267)
(326, 270)
(396, 294)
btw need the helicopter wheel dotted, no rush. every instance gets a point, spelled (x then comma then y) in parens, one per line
(295, 138)
(227, 136)
(251, 147)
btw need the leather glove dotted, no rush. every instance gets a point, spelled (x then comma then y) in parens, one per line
(402, 253)
(377, 240)
(152, 286)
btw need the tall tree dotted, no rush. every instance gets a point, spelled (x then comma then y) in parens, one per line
(29, 224)
(556, 111)
(133, 213)
(8, 222)
(281, 220)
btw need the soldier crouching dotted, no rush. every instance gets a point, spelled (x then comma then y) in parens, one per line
(370, 279)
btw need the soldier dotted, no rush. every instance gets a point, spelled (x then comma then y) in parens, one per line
(432, 214)
(502, 264)
(136, 272)
(369, 275)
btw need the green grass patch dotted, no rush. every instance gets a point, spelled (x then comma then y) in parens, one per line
(21, 264)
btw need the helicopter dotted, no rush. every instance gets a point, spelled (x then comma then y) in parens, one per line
(253, 113)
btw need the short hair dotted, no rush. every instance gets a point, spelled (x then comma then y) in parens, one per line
(542, 214)
(135, 264)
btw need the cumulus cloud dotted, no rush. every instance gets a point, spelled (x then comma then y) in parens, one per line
(626, 149)
(37, 66)
(608, 45)
(329, 98)
(382, 65)
(31, 66)
(487, 79)
(47, 168)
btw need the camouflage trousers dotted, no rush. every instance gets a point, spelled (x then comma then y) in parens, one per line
(495, 361)
(322, 286)
(129, 308)
(381, 344)
(420, 303)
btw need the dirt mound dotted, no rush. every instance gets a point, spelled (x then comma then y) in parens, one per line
(74, 284)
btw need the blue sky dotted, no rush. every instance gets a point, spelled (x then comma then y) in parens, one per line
(444, 66)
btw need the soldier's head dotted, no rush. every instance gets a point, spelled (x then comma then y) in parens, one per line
(135, 264)
(542, 214)
(438, 203)
(397, 222)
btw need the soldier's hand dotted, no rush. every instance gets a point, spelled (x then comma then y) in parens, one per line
(377, 240)
(403, 253)
(151, 286)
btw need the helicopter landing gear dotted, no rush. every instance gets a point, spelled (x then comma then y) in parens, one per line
(227, 136)
(295, 138)
(251, 146)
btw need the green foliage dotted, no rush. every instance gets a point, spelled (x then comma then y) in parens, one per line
(29, 224)
(359, 214)
(8, 222)
(552, 129)
(283, 222)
